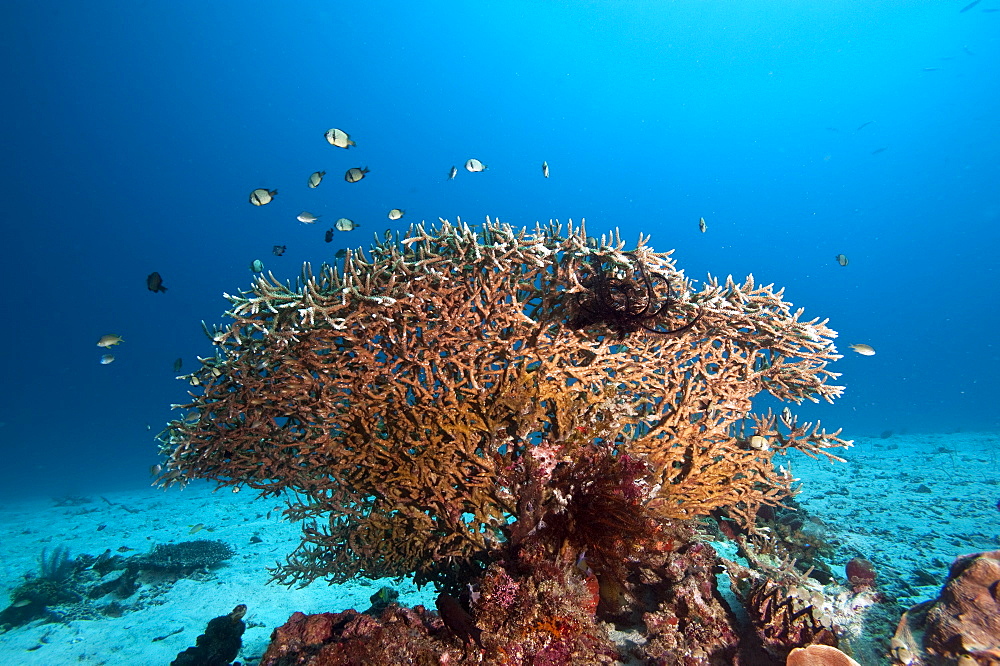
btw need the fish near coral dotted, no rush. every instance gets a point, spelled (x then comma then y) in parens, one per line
(458, 619)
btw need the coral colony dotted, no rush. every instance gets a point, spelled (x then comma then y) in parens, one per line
(529, 420)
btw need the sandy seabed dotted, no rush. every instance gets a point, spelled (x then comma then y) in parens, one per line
(908, 503)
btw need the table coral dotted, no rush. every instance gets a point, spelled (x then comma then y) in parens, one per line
(458, 395)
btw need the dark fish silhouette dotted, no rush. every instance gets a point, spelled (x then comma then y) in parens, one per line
(864, 125)
(154, 282)
(328, 236)
(969, 6)
(178, 363)
(279, 250)
(880, 150)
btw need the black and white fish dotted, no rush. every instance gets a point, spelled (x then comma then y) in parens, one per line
(474, 165)
(262, 196)
(315, 178)
(339, 138)
(355, 174)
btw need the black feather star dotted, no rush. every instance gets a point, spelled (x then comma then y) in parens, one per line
(624, 304)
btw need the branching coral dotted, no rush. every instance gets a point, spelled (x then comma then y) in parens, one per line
(409, 398)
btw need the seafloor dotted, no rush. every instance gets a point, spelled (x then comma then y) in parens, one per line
(909, 503)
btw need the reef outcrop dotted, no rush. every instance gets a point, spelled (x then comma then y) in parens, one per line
(962, 626)
(526, 419)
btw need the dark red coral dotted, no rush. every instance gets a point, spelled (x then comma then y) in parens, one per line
(860, 574)
(538, 610)
(681, 610)
(398, 636)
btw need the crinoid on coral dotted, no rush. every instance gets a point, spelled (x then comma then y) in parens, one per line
(624, 303)
(412, 397)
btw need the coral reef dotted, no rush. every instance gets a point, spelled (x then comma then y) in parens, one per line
(398, 636)
(220, 643)
(65, 589)
(962, 626)
(184, 557)
(472, 406)
(819, 655)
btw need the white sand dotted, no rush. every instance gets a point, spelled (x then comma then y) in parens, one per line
(166, 517)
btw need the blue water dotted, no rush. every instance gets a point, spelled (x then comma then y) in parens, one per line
(133, 134)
